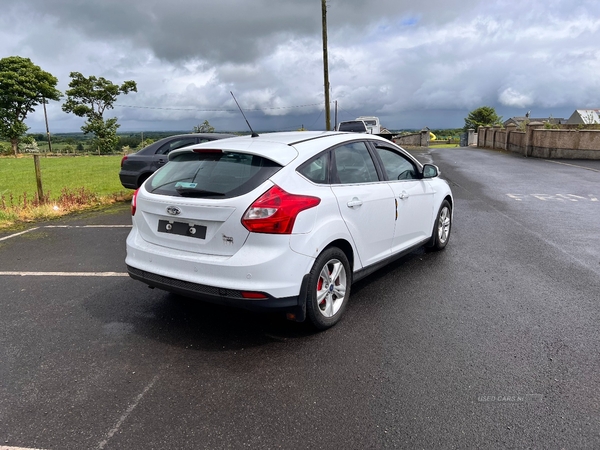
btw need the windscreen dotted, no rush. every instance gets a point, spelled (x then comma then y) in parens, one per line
(212, 174)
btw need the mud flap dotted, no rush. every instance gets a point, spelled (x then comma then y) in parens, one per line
(301, 308)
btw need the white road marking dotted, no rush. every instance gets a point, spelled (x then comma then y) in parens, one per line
(15, 235)
(63, 226)
(64, 274)
(87, 226)
(4, 447)
(572, 165)
(555, 197)
(129, 410)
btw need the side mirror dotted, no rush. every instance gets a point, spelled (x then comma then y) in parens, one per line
(430, 171)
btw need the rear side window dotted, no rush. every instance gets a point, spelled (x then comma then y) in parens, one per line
(212, 175)
(317, 169)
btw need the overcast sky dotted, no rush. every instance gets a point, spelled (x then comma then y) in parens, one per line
(412, 63)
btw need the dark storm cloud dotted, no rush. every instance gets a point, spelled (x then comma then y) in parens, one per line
(415, 64)
(228, 30)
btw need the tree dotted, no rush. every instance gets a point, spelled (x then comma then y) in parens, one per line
(204, 128)
(28, 144)
(146, 143)
(4, 149)
(484, 116)
(90, 97)
(23, 85)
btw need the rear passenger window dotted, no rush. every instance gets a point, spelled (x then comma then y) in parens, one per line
(353, 164)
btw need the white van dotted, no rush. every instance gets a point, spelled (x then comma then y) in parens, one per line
(372, 124)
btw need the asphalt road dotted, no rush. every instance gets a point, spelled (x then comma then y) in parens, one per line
(492, 343)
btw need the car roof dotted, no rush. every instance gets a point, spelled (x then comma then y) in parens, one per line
(282, 147)
(153, 147)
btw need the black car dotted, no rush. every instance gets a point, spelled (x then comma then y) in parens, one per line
(135, 168)
(356, 126)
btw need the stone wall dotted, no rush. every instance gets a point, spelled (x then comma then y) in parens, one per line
(515, 141)
(420, 139)
(542, 143)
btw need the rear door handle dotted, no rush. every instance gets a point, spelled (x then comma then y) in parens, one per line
(403, 195)
(354, 203)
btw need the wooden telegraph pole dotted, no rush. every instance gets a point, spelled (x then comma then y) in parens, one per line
(38, 177)
(47, 129)
(326, 67)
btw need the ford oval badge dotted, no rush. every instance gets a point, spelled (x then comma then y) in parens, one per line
(173, 210)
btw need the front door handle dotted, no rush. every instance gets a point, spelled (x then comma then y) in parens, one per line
(403, 195)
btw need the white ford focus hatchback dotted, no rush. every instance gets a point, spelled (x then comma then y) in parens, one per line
(284, 221)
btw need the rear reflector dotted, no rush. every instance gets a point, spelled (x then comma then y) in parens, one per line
(254, 295)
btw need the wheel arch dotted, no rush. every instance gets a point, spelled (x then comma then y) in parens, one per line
(346, 247)
(143, 177)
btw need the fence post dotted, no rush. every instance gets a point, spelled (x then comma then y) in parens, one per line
(489, 135)
(509, 129)
(529, 136)
(481, 137)
(471, 137)
(496, 129)
(38, 177)
(425, 137)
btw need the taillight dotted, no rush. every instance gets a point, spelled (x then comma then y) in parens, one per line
(123, 159)
(276, 210)
(134, 202)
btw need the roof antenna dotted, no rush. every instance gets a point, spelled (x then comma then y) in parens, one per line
(238, 105)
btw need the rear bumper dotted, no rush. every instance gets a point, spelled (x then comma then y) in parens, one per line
(265, 264)
(128, 180)
(228, 297)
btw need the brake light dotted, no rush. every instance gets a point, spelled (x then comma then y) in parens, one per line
(207, 150)
(134, 202)
(123, 159)
(276, 210)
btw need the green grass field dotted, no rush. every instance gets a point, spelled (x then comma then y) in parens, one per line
(98, 175)
(444, 145)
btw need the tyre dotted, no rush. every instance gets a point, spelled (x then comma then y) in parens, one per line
(328, 288)
(442, 227)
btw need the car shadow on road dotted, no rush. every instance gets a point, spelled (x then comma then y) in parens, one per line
(189, 323)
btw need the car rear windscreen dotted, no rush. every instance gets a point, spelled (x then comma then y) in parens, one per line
(212, 174)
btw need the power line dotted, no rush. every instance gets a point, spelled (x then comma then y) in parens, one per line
(217, 110)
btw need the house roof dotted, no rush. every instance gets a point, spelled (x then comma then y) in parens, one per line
(517, 120)
(585, 116)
